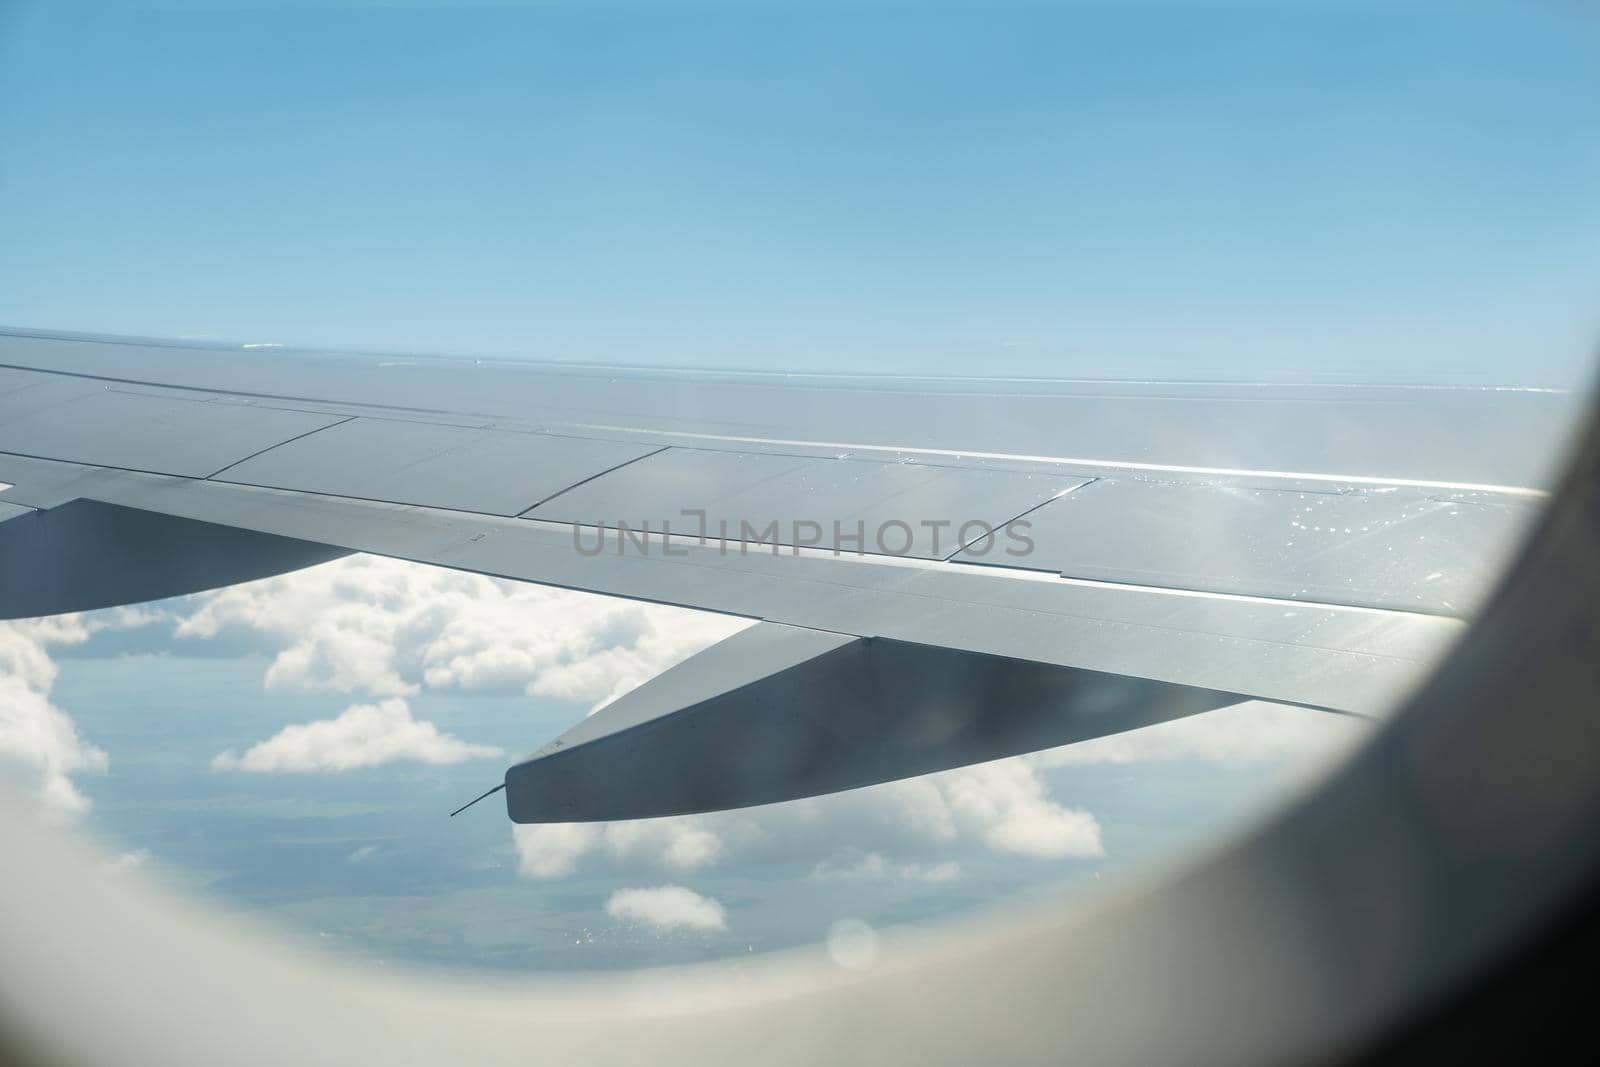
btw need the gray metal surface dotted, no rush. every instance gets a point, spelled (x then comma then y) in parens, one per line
(139, 431)
(853, 505)
(12, 380)
(776, 713)
(13, 511)
(26, 394)
(44, 483)
(87, 555)
(1328, 656)
(745, 658)
(1437, 435)
(1392, 548)
(497, 472)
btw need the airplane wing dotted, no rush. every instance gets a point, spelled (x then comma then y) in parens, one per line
(942, 571)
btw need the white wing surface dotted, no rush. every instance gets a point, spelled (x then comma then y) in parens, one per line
(944, 571)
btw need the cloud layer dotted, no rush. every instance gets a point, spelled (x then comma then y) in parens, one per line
(383, 630)
(374, 628)
(388, 630)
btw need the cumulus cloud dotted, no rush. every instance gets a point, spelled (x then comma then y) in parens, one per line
(1010, 807)
(555, 850)
(364, 735)
(40, 747)
(667, 907)
(363, 624)
(552, 850)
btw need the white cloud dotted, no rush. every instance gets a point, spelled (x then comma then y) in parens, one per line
(336, 627)
(389, 628)
(677, 845)
(555, 850)
(552, 850)
(365, 735)
(1008, 805)
(39, 745)
(667, 907)
(40, 748)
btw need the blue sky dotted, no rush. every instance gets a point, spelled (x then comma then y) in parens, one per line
(1399, 191)
(1405, 193)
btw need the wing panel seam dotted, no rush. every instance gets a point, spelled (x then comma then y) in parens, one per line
(592, 477)
(278, 444)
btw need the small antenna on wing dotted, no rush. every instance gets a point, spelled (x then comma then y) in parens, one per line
(474, 800)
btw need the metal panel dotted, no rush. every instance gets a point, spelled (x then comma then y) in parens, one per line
(26, 393)
(12, 380)
(970, 500)
(11, 511)
(1168, 429)
(137, 431)
(496, 472)
(907, 509)
(665, 486)
(1387, 548)
(45, 483)
(1352, 659)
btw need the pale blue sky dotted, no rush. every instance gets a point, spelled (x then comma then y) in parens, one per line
(1409, 192)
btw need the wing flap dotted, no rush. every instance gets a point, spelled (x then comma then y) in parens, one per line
(777, 713)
